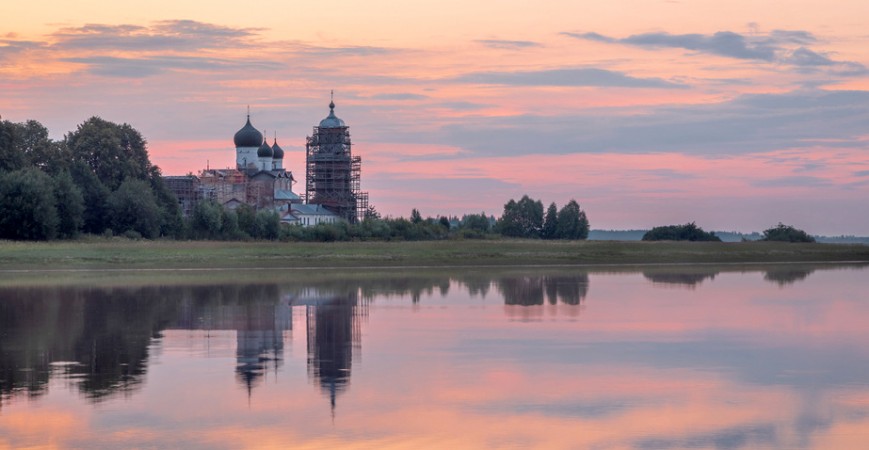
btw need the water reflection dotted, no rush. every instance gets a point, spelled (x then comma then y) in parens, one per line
(714, 356)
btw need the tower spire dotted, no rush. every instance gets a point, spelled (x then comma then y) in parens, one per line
(248, 111)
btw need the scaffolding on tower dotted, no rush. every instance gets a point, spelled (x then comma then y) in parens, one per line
(333, 174)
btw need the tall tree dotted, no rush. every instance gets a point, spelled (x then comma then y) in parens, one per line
(569, 222)
(550, 222)
(95, 195)
(27, 206)
(113, 152)
(11, 155)
(70, 206)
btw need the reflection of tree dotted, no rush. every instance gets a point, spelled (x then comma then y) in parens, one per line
(98, 338)
(101, 336)
(533, 290)
(686, 277)
(787, 275)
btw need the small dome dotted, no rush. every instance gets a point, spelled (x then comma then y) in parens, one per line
(332, 121)
(277, 150)
(248, 136)
(264, 150)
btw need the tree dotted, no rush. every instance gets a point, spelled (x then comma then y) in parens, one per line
(687, 232)
(70, 206)
(371, 213)
(550, 223)
(786, 233)
(477, 222)
(11, 156)
(572, 222)
(132, 207)
(246, 219)
(27, 206)
(415, 216)
(113, 152)
(522, 219)
(171, 221)
(267, 225)
(444, 222)
(94, 195)
(206, 222)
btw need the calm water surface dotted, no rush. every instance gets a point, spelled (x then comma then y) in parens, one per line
(772, 357)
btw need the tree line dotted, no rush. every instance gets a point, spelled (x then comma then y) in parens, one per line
(99, 180)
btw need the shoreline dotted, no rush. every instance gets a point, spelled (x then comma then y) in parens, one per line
(155, 256)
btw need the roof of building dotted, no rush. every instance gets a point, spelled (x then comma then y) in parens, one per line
(332, 121)
(278, 151)
(265, 150)
(248, 136)
(311, 210)
(283, 194)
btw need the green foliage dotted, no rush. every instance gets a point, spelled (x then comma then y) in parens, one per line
(687, 232)
(11, 154)
(133, 207)
(246, 219)
(171, 221)
(267, 225)
(415, 216)
(94, 195)
(27, 206)
(572, 223)
(478, 223)
(206, 222)
(113, 152)
(522, 219)
(371, 213)
(786, 233)
(70, 206)
(444, 222)
(550, 222)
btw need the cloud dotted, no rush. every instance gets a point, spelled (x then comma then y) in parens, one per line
(144, 67)
(507, 44)
(399, 96)
(174, 35)
(862, 173)
(9, 47)
(778, 46)
(574, 77)
(747, 124)
(793, 181)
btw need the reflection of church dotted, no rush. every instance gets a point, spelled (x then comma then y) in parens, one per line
(334, 333)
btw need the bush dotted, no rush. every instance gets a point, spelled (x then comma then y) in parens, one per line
(687, 232)
(786, 233)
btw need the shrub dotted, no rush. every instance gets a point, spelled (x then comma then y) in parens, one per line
(786, 233)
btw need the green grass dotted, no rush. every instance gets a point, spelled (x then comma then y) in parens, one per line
(125, 254)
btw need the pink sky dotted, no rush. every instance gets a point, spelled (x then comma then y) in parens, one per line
(736, 115)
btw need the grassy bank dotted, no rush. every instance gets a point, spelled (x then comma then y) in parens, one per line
(124, 254)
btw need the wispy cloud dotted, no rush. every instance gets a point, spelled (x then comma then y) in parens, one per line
(174, 35)
(147, 66)
(508, 44)
(778, 46)
(794, 181)
(567, 78)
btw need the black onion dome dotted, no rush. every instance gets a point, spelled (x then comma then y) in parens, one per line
(277, 150)
(248, 136)
(264, 150)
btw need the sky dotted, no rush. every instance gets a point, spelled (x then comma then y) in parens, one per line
(734, 115)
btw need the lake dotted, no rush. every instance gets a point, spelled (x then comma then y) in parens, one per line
(653, 357)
